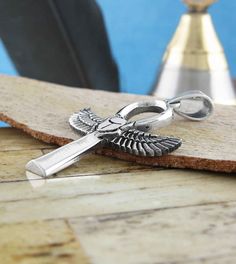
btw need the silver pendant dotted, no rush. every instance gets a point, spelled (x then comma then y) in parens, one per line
(121, 134)
(128, 139)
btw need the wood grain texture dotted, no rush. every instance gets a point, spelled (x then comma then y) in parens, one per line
(141, 215)
(40, 242)
(182, 235)
(18, 140)
(83, 196)
(17, 148)
(12, 163)
(42, 110)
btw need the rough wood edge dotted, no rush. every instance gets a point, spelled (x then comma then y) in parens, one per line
(168, 161)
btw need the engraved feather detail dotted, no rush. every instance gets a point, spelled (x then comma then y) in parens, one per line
(132, 141)
(85, 121)
(144, 144)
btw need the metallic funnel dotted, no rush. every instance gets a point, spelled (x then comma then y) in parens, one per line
(195, 59)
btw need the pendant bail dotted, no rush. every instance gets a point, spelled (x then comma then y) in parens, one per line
(194, 97)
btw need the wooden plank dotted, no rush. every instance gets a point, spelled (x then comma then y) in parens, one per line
(40, 242)
(199, 234)
(12, 164)
(42, 110)
(15, 139)
(111, 193)
(127, 213)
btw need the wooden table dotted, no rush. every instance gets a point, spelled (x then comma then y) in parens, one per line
(110, 211)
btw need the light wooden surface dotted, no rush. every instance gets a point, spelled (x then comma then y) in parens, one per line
(107, 211)
(42, 110)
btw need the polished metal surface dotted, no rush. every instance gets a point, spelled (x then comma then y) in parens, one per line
(216, 84)
(64, 156)
(164, 110)
(195, 59)
(198, 108)
(119, 133)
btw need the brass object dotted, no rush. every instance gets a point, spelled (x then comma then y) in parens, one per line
(198, 5)
(195, 59)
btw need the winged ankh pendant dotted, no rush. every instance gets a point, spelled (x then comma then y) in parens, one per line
(128, 140)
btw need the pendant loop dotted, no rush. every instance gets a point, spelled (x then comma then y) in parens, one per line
(192, 98)
(164, 117)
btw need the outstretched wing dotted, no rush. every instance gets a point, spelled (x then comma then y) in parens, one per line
(85, 121)
(144, 144)
(132, 141)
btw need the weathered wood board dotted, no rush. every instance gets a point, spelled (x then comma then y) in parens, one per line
(45, 242)
(123, 214)
(17, 148)
(42, 110)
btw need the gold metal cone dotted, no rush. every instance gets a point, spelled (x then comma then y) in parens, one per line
(195, 45)
(195, 59)
(198, 5)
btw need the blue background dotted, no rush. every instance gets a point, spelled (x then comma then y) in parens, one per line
(139, 31)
